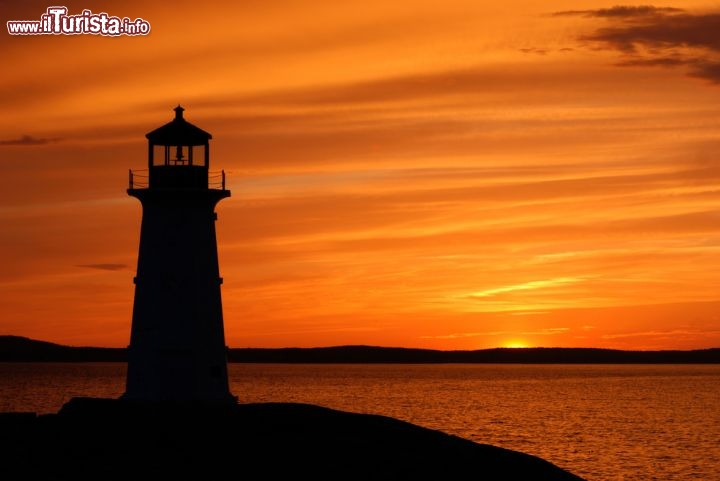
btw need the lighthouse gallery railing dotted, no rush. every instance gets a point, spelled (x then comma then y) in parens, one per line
(140, 179)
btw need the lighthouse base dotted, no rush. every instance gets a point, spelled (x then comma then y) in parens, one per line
(162, 374)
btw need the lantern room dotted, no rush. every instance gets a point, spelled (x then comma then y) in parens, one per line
(178, 155)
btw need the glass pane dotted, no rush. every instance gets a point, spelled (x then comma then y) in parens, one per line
(158, 155)
(198, 155)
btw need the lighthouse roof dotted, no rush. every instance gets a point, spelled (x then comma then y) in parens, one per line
(178, 132)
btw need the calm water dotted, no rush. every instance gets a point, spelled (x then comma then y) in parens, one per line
(604, 423)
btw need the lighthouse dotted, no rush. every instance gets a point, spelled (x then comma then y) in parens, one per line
(177, 348)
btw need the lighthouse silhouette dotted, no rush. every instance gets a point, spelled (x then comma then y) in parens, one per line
(177, 348)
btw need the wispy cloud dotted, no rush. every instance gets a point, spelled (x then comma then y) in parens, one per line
(621, 11)
(104, 267)
(525, 286)
(660, 333)
(29, 140)
(539, 332)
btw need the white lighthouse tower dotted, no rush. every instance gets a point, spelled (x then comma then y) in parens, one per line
(177, 348)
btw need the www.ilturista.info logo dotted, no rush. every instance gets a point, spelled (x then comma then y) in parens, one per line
(57, 22)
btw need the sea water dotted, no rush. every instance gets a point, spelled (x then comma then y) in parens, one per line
(600, 422)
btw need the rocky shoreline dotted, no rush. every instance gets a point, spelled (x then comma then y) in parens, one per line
(109, 439)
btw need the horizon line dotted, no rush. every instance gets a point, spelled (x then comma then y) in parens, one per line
(373, 346)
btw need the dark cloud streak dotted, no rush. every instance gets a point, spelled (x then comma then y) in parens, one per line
(663, 33)
(29, 140)
(660, 37)
(621, 11)
(104, 267)
(707, 70)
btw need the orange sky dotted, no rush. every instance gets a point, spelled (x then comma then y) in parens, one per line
(451, 175)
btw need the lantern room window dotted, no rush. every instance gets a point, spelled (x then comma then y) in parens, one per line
(178, 155)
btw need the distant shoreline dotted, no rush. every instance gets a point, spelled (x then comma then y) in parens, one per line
(22, 349)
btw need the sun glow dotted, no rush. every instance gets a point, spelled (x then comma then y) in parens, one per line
(514, 344)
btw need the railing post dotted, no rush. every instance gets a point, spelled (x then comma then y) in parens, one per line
(130, 178)
(223, 179)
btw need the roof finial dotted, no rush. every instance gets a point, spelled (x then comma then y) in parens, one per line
(179, 112)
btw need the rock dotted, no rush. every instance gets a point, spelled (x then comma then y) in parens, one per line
(109, 439)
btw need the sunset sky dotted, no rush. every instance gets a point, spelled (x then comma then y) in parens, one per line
(456, 174)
